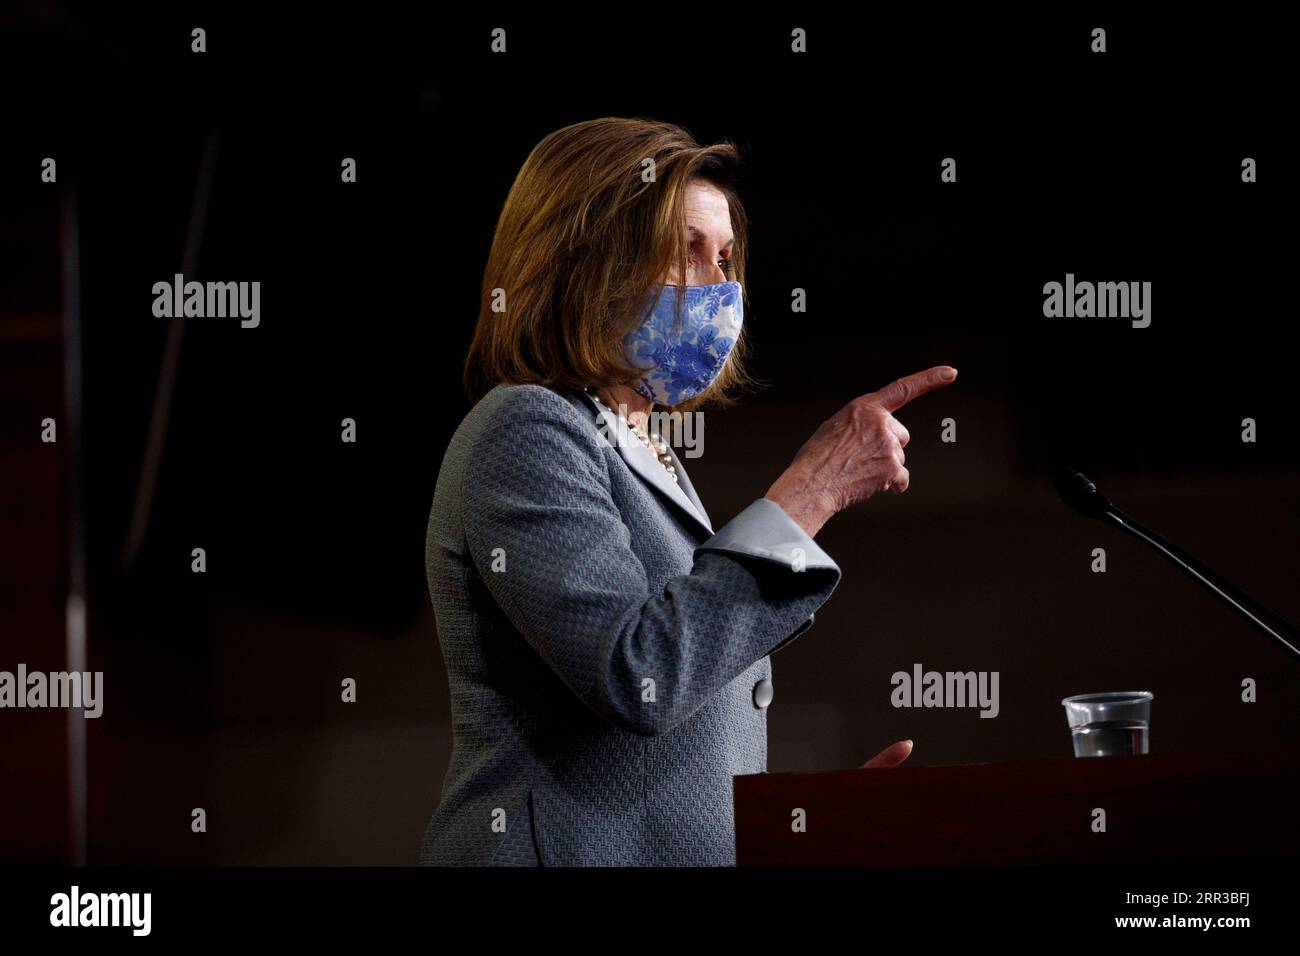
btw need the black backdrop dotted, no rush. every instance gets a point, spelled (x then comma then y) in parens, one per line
(223, 687)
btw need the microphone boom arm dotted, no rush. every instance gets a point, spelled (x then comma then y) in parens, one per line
(1264, 619)
(1082, 495)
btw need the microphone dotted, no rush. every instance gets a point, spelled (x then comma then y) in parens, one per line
(1082, 495)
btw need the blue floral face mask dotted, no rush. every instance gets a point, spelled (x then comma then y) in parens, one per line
(681, 361)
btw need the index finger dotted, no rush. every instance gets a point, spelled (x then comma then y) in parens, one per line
(898, 393)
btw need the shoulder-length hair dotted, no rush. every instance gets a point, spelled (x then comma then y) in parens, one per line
(584, 236)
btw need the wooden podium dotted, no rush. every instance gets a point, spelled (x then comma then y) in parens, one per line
(1158, 807)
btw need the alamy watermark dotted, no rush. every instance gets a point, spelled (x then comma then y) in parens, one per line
(1101, 300)
(200, 300)
(922, 688)
(681, 430)
(55, 689)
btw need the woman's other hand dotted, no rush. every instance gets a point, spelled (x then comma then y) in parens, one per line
(891, 756)
(856, 453)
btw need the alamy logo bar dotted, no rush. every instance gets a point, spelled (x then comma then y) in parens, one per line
(131, 910)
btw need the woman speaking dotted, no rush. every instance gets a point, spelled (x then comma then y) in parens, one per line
(607, 648)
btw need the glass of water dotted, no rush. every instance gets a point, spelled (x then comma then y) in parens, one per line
(1113, 724)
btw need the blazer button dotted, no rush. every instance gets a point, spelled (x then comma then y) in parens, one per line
(763, 693)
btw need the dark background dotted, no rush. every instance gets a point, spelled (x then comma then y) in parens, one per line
(222, 689)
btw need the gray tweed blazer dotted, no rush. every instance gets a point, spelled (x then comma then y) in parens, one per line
(607, 651)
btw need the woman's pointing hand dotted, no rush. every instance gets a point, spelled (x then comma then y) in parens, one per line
(856, 453)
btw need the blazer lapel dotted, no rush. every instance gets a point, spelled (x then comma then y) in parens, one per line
(684, 482)
(645, 464)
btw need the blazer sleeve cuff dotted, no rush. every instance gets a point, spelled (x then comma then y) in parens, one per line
(763, 530)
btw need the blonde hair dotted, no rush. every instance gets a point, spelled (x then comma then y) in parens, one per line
(581, 241)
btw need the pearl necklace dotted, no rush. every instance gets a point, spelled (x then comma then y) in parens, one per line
(657, 445)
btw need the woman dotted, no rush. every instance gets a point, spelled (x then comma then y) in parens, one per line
(607, 649)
